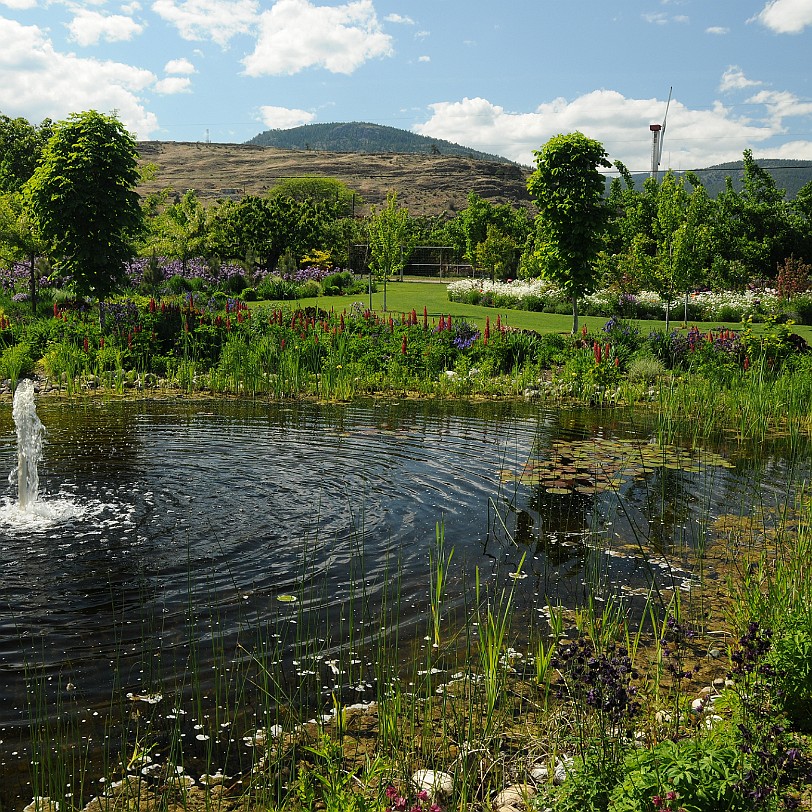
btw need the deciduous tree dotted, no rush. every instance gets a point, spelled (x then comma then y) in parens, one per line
(390, 244)
(568, 191)
(84, 199)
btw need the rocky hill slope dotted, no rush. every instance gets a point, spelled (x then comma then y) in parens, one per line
(426, 184)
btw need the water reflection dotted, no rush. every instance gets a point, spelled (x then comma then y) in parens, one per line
(200, 516)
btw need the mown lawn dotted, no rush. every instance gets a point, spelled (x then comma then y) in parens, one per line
(402, 297)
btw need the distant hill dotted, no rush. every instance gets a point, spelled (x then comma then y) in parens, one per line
(426, 184)
(790, 175)
(359, 136)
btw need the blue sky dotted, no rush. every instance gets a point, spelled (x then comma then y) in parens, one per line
(499, 77)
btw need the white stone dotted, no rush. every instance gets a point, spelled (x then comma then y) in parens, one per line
(560, 773)
(540, 773)
(438, 784)
(515, 796)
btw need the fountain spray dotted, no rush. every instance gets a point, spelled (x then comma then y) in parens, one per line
(30, 432)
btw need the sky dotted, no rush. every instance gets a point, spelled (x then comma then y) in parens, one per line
(498, 77)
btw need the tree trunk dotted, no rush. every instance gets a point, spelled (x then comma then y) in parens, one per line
(667, 312)
(32, 283)
(685, 313)
(574, 315)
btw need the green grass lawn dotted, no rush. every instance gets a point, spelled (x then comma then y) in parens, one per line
(402, 297)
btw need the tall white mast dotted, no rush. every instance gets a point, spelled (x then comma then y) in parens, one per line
(657, 136)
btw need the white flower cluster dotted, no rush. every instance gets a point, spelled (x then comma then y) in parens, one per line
(706, 305)
(517, 289)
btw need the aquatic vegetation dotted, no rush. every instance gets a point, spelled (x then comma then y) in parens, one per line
(602, 464)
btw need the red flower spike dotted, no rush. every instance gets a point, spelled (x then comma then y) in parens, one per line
(403, 346)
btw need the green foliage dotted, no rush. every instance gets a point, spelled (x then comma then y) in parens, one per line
(266, 228)
(699, 774)
(568, 190)
(337, 283)
(791, 659)
(21, 146)
(64, 361)
(588, 785)
(181, 231)
(331, 191)
(390, 242)
(16, 362)
(84, 199)
(274, 288)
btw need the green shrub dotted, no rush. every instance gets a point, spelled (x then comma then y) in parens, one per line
(311, 289)
(64, 361)
(234, 284)
(337, 283)
(276, 288)
(645, 368)
(177, 285)
(791, 659)
(700, 774)
(16, 362)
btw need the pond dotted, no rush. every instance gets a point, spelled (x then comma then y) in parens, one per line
(173, 536)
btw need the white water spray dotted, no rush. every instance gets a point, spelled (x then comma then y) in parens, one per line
(30, 432)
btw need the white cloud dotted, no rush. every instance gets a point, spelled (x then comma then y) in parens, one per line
(183, 66)
(217, 20)
(36, 81)
(661, 18)
(695, 138)
(283, 118)
(424, 58)
(173, 84)
(399, 18)
(734, 79)
(717, 29)
(89, 27)
(785, 16)
(295, 34)
(19, 5)
(781, 104)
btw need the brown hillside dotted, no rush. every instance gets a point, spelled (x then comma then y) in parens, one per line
(426, 184)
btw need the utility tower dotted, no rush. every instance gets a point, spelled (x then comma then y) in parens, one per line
(657, 136)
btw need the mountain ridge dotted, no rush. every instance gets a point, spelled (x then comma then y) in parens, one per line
(365, 137)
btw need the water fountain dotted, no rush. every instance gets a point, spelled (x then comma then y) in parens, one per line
(30, 432)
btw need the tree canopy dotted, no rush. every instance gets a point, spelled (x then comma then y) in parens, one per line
(568, 191)
(84, 200)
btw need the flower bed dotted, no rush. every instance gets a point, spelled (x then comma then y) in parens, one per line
(540, 295)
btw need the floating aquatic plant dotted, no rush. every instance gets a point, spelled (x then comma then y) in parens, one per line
(602, 464)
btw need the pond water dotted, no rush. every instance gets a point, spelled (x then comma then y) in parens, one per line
(163, 523)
